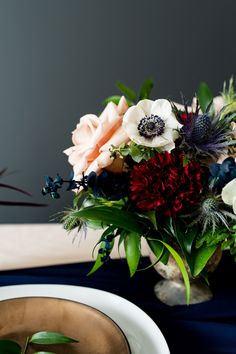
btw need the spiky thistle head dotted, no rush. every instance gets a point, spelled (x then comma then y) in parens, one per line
(212, 213)
(204, 135)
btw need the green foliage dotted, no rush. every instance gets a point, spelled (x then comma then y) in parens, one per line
(43, 338)
(156, 247)
(112, 216)
(228, 93)
(204, 95)
(70, 221)
(132, 251)
(131, 97)
(200, 257)
(116, 99)
(225, 237)
(146, 89)
(50, 338)
(135, 151)
(182, 268)
(106, 243)
(9, 347)
(126, 91)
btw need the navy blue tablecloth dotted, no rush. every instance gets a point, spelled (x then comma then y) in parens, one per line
(207, 328)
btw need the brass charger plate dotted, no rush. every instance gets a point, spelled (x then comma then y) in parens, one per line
(96, 332)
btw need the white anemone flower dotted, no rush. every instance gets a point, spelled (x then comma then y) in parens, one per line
(152, 123)
(228, 194)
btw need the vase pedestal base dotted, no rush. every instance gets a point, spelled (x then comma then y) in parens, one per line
(173, 292)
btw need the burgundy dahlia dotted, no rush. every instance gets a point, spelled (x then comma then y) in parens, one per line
(164, 184)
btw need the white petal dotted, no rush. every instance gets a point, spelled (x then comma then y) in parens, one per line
(131, 120)
(169, 134)
(146, 106)
(170, 146)
(158, 141)
(171, 122)
(229, 192)
(234, 205)
(161, 108)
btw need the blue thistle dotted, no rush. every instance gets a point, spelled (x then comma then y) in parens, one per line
(212, 213)
(203, 134)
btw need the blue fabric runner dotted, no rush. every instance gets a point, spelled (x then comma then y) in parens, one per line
(207, 328)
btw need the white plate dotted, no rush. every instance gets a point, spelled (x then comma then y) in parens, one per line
(141, 331)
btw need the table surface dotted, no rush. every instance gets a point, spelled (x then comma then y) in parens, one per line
(207, 328)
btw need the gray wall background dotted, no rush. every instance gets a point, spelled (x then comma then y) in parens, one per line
(60, 58)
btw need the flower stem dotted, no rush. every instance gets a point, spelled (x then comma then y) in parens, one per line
(26, 345)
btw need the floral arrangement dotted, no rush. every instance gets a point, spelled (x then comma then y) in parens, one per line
(157, 170)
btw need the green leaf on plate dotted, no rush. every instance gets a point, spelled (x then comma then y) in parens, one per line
(50, 338)
(128, 92)
(132, 251)
(9, 347)
(204, 95)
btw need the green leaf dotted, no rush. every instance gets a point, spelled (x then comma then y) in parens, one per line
(186, 238)
(9, 347)
(156, 246)
(114, 216)
(50, 338)
(99, 263)
(182, 268)
(165, 256)
(121, 238)
(115, 99)
(201, 257)
(146, 89)
(204, 96)
(150, 215)
(128, 92)
(132, 251)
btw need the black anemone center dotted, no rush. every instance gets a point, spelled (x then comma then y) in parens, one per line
(152, 126)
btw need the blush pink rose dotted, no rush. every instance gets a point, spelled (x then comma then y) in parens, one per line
(94, 136)
(218, 103)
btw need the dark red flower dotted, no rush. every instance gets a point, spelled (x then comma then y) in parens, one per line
(164, 184)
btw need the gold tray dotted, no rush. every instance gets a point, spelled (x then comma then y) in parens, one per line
(96, 332)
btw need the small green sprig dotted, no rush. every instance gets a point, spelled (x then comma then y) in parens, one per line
(228, 93)
(137, 152)
(229, 97)
(42, 338)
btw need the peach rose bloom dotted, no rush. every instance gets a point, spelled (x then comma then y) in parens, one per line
(94, 136)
